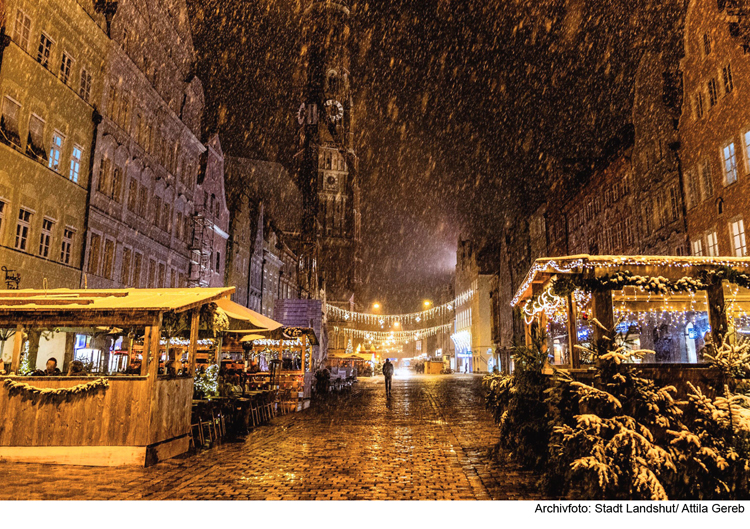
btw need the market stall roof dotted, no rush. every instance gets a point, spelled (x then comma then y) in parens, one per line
(546, 267)
(244, 319)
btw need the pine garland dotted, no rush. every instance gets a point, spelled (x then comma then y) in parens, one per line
(22, 387)
(563, 286)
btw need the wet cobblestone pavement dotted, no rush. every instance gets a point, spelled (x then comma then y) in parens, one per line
(430, 441)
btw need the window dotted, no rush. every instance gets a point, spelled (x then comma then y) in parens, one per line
(137, 264)
(178, 226)
(35, 144)
(9, 122)
(66, 65)
(698, 102)
(151, 273)
(726, 74)
(218, 262)
(133, 194)
(109, 258)
(103, 184)
(2, 215)
(162, 275)
(707, 185)
(67, 245)
(22, 229)
(628, 231)
(75, 163)
(706, 44)
(157, 212)
(22, 30)
(737, 230)
(94, 251)
(45, 47)
(167, 219)
(117, 184)
(730, 164)
(55, 152)
(712, 243)
(45, 237)
(125, 268)
(674, 209)
(713, 92)
(692, 192)
(698, 248)
(123, 118)
(142, 201)
(85, 89)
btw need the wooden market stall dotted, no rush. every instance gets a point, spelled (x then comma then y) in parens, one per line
(670, 306)
(122, 419)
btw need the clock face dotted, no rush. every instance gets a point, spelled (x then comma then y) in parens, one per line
(335, 110)
(331, 181)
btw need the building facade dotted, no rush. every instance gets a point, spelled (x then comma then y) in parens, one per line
(53, 55)
(327, 163)
(148, 152)
(715, 129)
(210, 221)
(474, 350)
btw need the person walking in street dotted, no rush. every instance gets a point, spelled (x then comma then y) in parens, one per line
(388, 374)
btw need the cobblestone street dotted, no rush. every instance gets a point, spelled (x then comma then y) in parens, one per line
(431, 441)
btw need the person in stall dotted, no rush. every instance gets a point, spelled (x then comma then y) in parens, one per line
(77, 369)
(51, 368)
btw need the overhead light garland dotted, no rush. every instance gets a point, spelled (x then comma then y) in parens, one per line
(394, 337)
(337, 313)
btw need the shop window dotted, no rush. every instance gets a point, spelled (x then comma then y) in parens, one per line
(9, 122)
(45, 49)
(75, 163)
(22, 30)
(730, 163)
(737, 231)
(45, 237)
(55, 152)
(67, 246)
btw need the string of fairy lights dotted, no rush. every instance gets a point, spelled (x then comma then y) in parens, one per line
(394, 337)
(339, 314)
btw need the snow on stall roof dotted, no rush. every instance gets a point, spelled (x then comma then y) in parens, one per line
(134, 299)
(569, 263)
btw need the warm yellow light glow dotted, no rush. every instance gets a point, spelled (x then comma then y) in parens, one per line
(376, 305)
(396, 324)
(427, 303)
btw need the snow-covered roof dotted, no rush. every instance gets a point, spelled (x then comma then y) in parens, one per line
(578, 263)
(110, 300)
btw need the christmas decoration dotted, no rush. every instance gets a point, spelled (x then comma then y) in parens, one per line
(15, 387)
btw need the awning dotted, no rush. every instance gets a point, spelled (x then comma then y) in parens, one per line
(245, 320)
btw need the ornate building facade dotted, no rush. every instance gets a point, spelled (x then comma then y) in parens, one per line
(326, 159)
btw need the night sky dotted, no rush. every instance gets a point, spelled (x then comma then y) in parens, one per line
(463, 109)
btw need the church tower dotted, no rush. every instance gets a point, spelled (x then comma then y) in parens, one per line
(326, 160)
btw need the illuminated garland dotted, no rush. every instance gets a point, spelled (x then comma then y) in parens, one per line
(587, 262)
(389, 319)
(399, 337)
(22, 387)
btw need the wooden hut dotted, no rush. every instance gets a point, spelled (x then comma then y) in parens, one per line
(134, 419)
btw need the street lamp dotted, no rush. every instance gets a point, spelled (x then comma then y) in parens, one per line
(427, 303)
(376, 305)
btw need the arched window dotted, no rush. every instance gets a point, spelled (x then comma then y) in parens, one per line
(333, 81)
